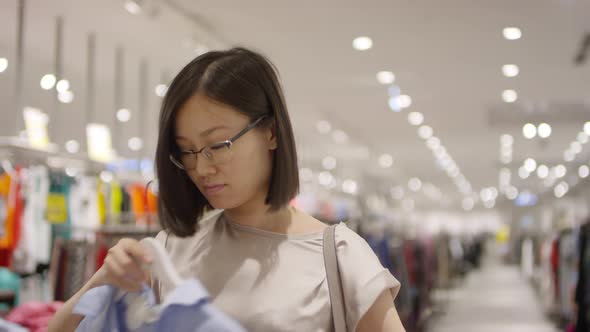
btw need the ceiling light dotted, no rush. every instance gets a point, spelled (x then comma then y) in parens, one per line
(306, 174)
(523, 173)
(509, 96)
(576, 147)
(48, 81)
(3, 64)
(587, 128)
(468, 204)
(425, 132)
(542, 171)
(393, 103)
(433, 143)
(583, 171)
(489, 204)
(161, 90)
(123, 115)
(62, 86)
(415, 184)
(385, 77)
(487, 194)
(135, 143)
(394, 91)
(561, 189)
(385, 160)
(324, 127)
(583, 137)
(512, 33)
(362, 43)
(569, 156)
(506, 159)
(349, 187)
(325, 178)
(530, 165)
(415, 118)
(106, 176)
(544, 130)
(559, 171)
(71, 172)
(510, 70)
(506, 140)
(455, 172)
(329, 163)
(529, 131)
(339, 136)
(132, 7)
(404, 101)
(505, 176)
(72, 146)
(66, 97)
(511, 193)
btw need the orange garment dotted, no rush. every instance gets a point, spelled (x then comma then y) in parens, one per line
(138, 200)
(152, 200)
(10, 189)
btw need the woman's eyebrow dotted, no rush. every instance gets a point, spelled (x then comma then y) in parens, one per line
(204, 133)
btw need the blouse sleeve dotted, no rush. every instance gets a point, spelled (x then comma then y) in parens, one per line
(363, 276)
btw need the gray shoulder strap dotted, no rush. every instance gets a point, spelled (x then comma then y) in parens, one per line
(334, 280)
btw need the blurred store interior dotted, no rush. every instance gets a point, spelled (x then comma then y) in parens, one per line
(452, 135)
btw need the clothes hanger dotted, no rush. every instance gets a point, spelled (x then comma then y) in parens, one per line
(161, 266)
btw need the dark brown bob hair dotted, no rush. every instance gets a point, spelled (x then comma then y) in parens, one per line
(248, 82)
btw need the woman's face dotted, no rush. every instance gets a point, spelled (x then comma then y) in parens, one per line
(245, 177)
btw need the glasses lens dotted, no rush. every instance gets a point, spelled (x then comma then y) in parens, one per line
(218, 154)
(188, 161)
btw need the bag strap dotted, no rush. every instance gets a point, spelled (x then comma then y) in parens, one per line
(334, 280)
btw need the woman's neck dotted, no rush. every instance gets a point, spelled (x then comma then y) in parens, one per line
(259, 216)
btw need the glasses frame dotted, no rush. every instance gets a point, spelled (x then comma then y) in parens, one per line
(227, 144)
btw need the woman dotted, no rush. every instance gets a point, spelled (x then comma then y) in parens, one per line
(226, 142)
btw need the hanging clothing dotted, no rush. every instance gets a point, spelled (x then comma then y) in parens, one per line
(568, 273)
(34, 247)
(583, 287)
(187, 308)
(83, 207)
(245, 269)
(380, 246)
(10, 188)
(116, 201)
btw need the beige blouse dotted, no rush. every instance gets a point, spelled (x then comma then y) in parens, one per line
(277, 282)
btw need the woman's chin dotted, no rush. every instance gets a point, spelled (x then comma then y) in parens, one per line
(220, 204)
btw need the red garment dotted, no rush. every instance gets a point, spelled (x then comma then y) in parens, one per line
(555, 265)
(34, 315)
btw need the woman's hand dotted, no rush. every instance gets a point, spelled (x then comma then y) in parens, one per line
(123, 266)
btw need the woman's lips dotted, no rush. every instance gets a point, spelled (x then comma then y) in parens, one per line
(214, 189)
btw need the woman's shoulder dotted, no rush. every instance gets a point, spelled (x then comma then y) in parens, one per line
(347, 239)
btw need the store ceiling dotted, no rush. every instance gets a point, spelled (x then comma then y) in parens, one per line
(447, 56)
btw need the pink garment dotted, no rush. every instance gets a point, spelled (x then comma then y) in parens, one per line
(570, 328)
(34, 315)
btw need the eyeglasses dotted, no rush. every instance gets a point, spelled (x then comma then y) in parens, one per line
(217, 153)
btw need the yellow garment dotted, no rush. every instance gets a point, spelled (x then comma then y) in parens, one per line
(57, 208)
(116, 199)
(102, 206)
